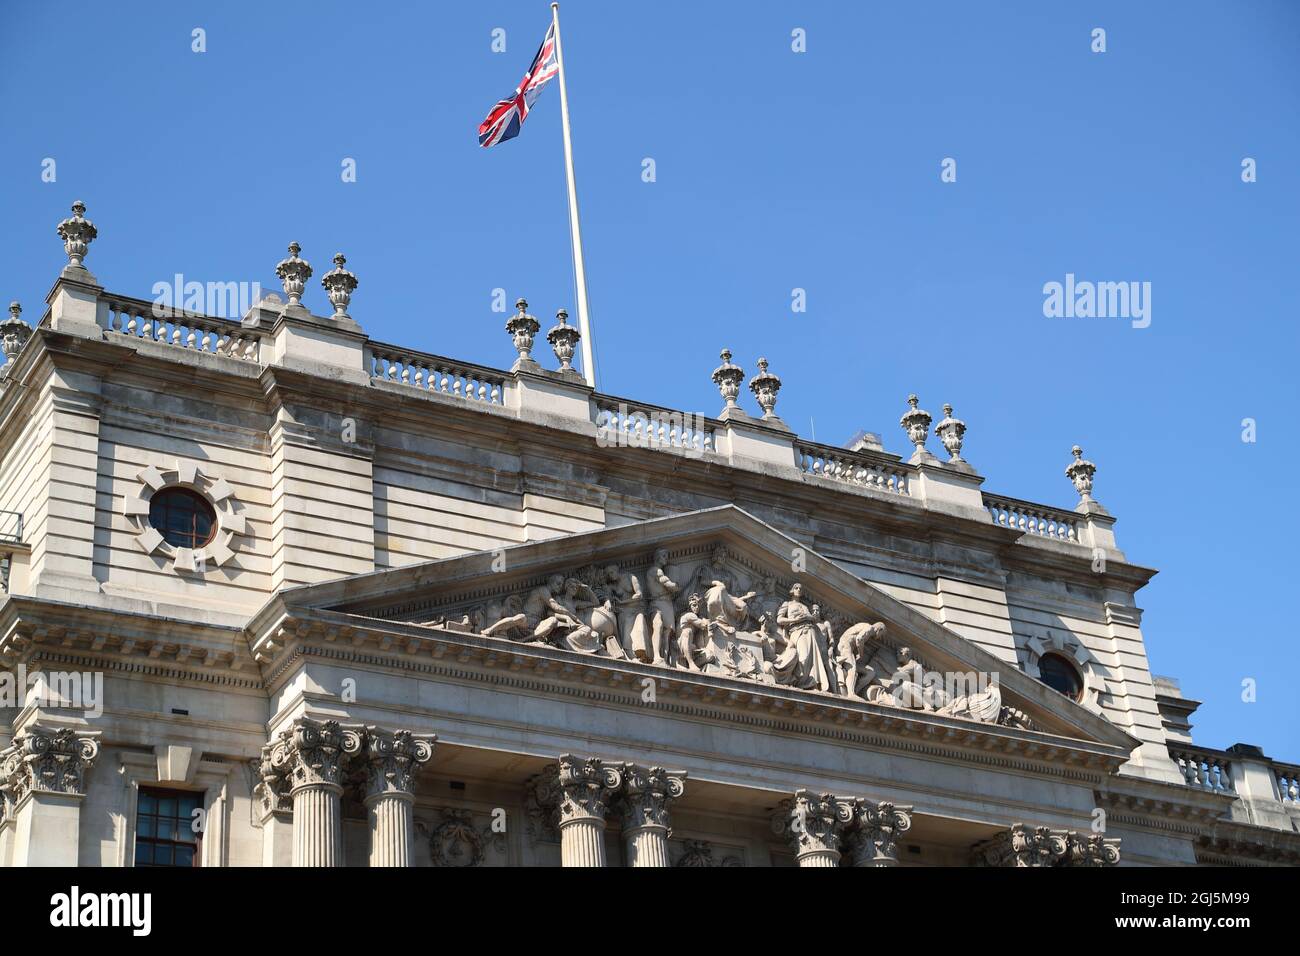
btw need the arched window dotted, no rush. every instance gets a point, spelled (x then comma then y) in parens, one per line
(1061, 675)
(183, 517)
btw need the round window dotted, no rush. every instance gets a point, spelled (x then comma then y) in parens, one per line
(183, 517)
(1060, 675)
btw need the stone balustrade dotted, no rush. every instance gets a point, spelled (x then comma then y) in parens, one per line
(1033, 519)
(433, 373)
(1287, 777)
(859, 468)
(638, 425)
(1205, 769)
(140, 319)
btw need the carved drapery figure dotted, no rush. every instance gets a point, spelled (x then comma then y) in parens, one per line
(629, 604)
(803, 662)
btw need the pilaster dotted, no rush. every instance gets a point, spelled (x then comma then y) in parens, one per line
(42, 782)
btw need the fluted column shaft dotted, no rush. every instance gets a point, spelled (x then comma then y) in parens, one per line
(393, 761)
(392, 822)
(819, 858)
(582, 841)
(647, 846)
(317, 825)
(645, 800)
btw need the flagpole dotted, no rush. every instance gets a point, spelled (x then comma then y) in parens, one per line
(579, 270)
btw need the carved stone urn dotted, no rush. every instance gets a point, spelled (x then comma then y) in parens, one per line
(765, 385)
(339, 283)
(564, 340)
(1080, 471)
(916, 422)
(728, 378)
(523, 329)
(294, 273)
(77, 234)
(950, 432)
(15, 333)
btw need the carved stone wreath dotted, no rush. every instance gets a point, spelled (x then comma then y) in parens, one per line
(1032, 647)
(212, 488)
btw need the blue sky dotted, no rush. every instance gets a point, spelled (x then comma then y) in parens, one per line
(774, 170)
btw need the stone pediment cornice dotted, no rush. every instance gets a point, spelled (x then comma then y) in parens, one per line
(299, 635)
(753, 550)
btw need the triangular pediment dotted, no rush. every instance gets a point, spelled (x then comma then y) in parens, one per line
(620, 584)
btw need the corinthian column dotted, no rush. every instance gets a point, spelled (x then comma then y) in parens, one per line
(813, 824)
(644, 802)
(393, 761)
(42, 785)
(308, 758)
(1023, 846)
(584, 788)
(873, 841)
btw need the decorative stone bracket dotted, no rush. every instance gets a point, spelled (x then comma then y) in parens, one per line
(212, 487)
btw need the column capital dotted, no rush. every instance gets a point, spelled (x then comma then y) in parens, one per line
(646, 794)
(1022, 845)
(813, 824)
(873, 836)
(393, 760)
(47, 760)
(1093, 850)
(311, 753)
(585, 787)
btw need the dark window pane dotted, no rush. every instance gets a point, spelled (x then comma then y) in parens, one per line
(147, 802)
(184, 856)
(183, 517)
(146, 826)
(143, 854)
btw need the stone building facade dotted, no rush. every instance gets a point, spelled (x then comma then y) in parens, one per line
(279, 594)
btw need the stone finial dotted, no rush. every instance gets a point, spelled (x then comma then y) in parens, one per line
(916, 422)
(728, 378)
(294, 273)
(15, 333)
(564, 340)
(765, 385)
(523, 328)
(1080, 471)
(77, 234)
(950, 432)
(339, 283)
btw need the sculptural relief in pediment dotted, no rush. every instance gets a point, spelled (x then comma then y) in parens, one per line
(712, 615)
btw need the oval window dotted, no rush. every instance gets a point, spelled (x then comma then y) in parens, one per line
(1060, 675)
(183, 517)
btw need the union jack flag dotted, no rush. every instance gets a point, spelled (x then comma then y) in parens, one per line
(507, 116)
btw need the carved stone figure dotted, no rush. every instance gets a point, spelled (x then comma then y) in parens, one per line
(908, 685)
(802, 663)
(692, 636)
(538, 608)
(629, 603)
(661, 591)
(853, 651)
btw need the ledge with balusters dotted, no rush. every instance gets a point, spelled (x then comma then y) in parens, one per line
(734, 435)
(1244, 773)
